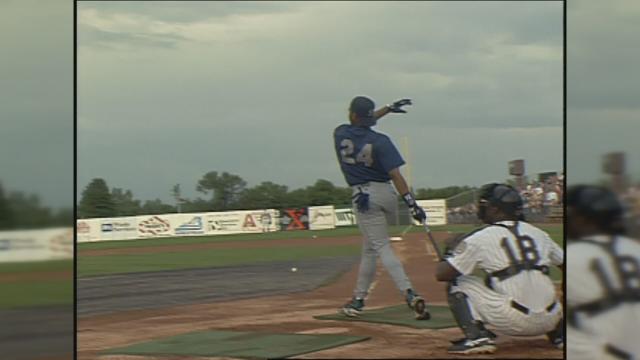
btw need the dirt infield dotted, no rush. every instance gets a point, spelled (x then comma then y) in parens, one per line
(100, 329)
(37, 276)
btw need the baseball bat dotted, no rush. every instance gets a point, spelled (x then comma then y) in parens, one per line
(433, 241)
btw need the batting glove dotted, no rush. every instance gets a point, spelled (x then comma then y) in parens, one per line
(396, 107)
(416, 211)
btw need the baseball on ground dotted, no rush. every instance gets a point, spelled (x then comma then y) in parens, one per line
(293, 269)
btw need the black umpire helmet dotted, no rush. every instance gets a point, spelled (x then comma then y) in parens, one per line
(599, 205)
(502, 196)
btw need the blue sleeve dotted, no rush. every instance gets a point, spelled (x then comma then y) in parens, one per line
(387, 154)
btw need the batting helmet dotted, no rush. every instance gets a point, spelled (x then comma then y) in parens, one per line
(599, 205)
(363, 107)
(502, 196)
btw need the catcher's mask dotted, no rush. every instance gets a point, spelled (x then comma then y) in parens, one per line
(599, 205)
(363, 107)
(501, 196)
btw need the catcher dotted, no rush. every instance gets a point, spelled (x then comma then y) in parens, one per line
(517, 296)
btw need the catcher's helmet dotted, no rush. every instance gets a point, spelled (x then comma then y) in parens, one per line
(502, 196)
(363, 107)
(599, 205)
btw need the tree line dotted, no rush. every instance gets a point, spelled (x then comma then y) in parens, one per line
(223, 192)
(19, 210)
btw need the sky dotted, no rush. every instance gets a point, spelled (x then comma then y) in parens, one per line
(36, 99)
(169, 91)
(603, 111)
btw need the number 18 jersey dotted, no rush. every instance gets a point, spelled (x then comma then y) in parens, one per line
(494, 248)
(365, 155)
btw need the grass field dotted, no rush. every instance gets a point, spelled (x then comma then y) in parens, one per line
(114, 264)
(37, 266)
(36, 292)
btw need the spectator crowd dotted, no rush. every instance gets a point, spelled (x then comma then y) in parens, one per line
(539, 198)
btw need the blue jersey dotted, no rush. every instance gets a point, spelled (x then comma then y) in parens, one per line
(365, 155)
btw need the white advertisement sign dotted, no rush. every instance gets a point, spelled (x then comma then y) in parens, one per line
(154, 226)
(188, 224)
(234, 222)
(436, 211)
(88, 230)
(60, 243)
(36, 245)
(345, 217)
(122, 228)
(322, 217)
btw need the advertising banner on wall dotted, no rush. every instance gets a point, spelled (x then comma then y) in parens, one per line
(88, 230)
(294, 219)
(188, 224)
(436, 211)
(345, 217)
(60, 243)
(154, 226)
(322, 217)
(36, 245)
(234, 222)
(122, 228)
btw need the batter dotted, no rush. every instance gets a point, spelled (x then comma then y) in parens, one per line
(370, 163)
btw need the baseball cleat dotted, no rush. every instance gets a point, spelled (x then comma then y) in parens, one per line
(418, 305)
(556, 336)
(477, 346)
(353, 308)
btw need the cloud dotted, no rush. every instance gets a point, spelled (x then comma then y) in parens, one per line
(602, 86)
(258, 93)
(36, 68)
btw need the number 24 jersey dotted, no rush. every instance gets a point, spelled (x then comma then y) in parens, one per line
(365, 155)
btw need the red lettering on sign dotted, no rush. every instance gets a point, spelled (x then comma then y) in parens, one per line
(295, 224)
(248, 221)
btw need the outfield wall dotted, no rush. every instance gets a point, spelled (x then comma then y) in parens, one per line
(209, 223)
(230, 222)
(166, 225)
(36, 245)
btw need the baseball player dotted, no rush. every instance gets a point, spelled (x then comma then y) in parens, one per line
(603, 277)
(370, 162)
(517, 297)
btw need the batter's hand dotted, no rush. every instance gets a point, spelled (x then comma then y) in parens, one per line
(418, 214)
(396, 107)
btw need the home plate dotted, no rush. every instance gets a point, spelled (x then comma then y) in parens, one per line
(329, 330)
(396, 238)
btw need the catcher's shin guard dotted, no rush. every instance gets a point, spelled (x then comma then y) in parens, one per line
(473, 329)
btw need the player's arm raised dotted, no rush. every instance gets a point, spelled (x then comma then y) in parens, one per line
(395, 107)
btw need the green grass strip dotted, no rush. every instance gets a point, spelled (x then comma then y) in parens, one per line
(36, 293)
(36, 266)
(114, 264)
(234, 344)
(554, 230)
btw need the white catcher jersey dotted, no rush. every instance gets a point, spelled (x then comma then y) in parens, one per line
(495, 247)
(593, 274)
